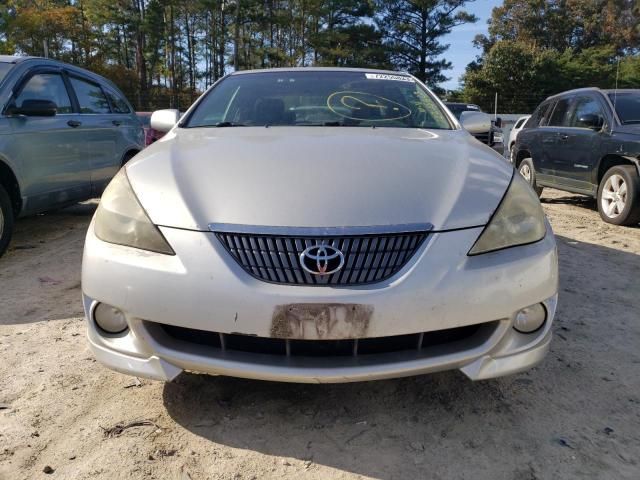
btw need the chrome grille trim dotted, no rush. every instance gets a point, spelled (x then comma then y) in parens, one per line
(370, 257)
(319, 231)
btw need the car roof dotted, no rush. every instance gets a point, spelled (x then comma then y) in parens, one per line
(621, 90)
(319, 69)
(14, 58)
(604, 91)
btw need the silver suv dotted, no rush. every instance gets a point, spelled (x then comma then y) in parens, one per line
(64, 133)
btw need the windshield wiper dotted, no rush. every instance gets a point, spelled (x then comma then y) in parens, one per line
(229, 124)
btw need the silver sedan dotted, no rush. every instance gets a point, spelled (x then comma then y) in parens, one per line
(319, 225)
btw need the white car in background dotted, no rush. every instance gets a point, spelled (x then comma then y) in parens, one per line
(319, 225)
(513, 134)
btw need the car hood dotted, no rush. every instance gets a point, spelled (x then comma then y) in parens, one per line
(318, 177)
(631, 129)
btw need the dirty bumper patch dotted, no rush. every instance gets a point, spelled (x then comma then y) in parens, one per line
(321, 321)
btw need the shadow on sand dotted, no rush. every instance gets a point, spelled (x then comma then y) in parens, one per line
(430, 426)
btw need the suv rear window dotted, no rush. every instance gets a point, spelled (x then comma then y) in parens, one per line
(560, 115)
(538, 115)
(90, 97)
(117, 103)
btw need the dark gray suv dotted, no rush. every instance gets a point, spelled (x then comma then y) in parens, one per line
(586, 141)
(64, 133)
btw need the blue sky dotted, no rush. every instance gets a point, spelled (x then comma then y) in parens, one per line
(461, 51)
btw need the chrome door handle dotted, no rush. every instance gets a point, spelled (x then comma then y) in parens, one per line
(563, 136)
(74, 123)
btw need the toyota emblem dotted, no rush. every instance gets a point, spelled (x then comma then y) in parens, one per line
(321, 260)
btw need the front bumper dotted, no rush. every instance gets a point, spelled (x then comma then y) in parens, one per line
(203, 288)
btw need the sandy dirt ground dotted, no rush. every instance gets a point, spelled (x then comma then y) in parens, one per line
(576, 416)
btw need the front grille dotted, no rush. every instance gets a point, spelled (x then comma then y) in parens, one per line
(325, 348)
(368, 258)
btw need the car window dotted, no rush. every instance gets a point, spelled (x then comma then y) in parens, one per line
(537, 115)
(519, 123)
(330, 98)
(118, 104)
(458, 108)
(627, 106)
(560, 115)
(4, 69)
(90, 97)
(586, 105)
(46, 86)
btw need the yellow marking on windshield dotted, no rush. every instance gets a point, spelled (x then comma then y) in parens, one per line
(365, 102)
(344, 99)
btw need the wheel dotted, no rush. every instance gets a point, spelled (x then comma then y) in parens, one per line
(528, 172)
(512, 154)
(127, 157)
(619, 196)
(6, 220)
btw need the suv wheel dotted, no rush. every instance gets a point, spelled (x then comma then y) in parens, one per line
(512, 154)
(619, 196)
(127, 157)
(528, 172)
(6, 220)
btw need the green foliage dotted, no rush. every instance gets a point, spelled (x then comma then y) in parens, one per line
(567, 24)
(537, 48)
(509, 68)
(412, 31)
(164, 52)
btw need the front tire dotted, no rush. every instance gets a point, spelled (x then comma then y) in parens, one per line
(6, 220)
(529, 174)
(619, 196)
(128, 156)
(512, 154)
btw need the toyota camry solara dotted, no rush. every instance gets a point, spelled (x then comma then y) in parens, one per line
(318, 225)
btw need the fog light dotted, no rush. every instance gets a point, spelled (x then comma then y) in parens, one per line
(110, 319)
(530, 319)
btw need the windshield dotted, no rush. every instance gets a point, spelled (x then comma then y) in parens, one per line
(4, 69)
(458, 108)
(314, 98)
(627, 106)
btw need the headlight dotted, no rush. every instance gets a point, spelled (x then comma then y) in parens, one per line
(121, 219)
(518, 220)
(497, 138)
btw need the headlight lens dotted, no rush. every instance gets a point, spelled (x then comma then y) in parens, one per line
(121, 219)
(518, 220)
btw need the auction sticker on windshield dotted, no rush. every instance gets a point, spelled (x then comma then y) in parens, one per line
(385, 76)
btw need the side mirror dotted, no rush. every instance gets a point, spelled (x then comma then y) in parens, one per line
(475, 122)
(591, 120)
(34, 108)
(164, 120)
(498, 122)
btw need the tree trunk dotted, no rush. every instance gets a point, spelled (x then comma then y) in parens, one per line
(141, 62)
(236, 38)
(422, 67)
